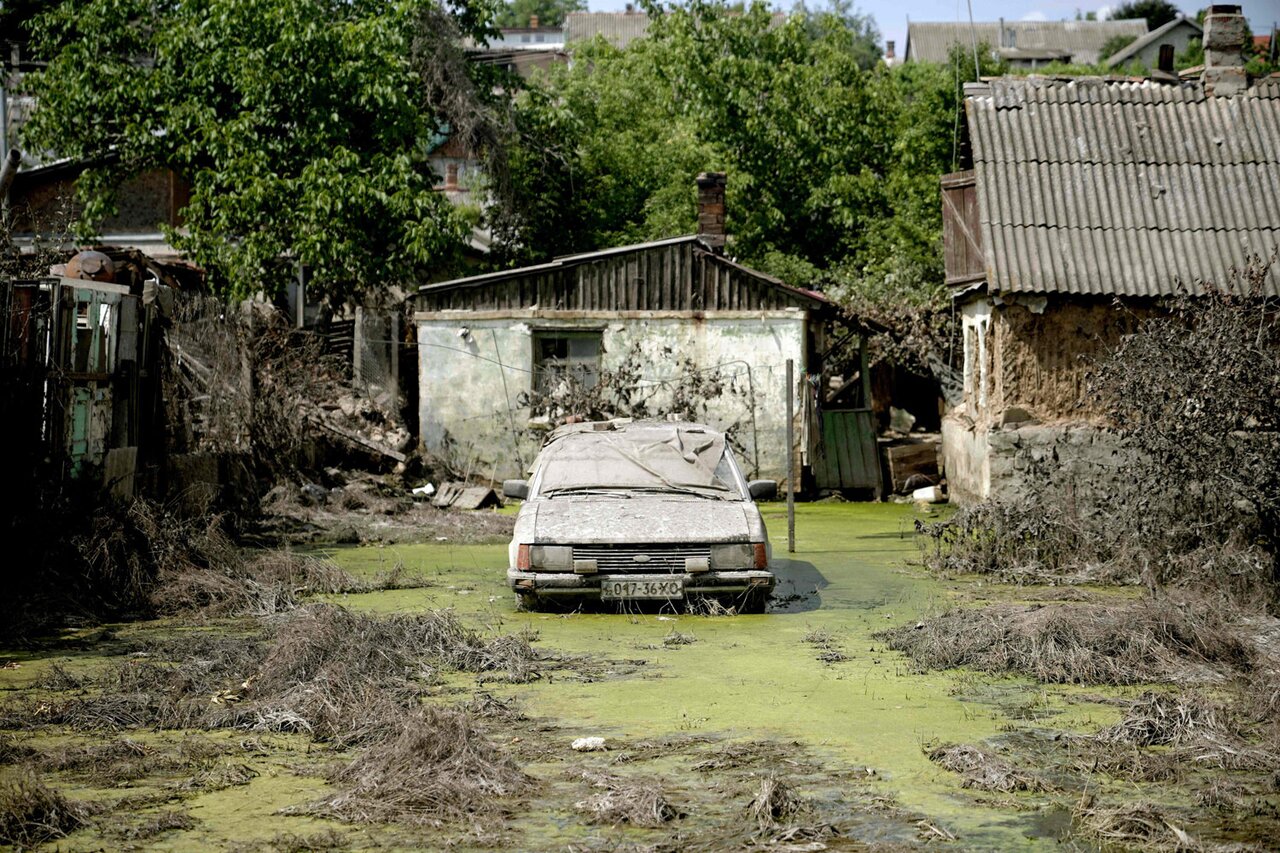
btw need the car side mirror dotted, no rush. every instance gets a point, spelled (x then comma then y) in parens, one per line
(517, 489)
(763, 490)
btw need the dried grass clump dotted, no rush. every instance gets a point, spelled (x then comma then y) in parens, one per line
(12, 752)
(324, 642)
(1156, 719)
(264, 585)
(678, 638)
(1147, 640)
(776, 803)
(828, 646)
(982, 770)
(642, 805)
(1133, 823)
(32, 814)
(438, 768)
(171, 820)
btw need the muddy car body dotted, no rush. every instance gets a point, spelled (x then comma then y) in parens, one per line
(640, 511)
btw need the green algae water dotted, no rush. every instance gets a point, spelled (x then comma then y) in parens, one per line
(671, 689)
(755, 677)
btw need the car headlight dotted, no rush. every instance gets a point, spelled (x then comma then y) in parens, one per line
(556, 558)
(740, 555)
(736, 556)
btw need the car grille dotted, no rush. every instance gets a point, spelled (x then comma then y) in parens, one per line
(621, 558)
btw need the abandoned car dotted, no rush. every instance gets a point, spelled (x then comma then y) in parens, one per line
(639, 511)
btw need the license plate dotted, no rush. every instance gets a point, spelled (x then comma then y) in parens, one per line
(615, 588)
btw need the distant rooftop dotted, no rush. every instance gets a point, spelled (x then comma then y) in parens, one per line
(618, 28)
(1080, 41)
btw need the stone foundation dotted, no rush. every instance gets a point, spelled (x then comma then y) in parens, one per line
(1010, 461)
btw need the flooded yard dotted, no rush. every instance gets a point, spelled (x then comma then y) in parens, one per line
(797, 729)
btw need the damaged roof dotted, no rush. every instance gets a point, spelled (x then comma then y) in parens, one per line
(675, 274)
(1123, 187)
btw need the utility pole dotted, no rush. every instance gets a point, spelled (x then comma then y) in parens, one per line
(791, 457)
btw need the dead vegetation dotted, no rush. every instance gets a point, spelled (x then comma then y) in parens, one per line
(437, 767)
(343, 679)
(1142, 824)
(619, 802)
(775, 804)
(1140, 641)
(983, 770)
(31, 813)
(1156, 719)
(829, 650)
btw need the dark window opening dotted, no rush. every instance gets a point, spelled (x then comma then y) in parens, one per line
(560, 356)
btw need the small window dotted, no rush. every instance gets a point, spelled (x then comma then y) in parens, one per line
(560, 356)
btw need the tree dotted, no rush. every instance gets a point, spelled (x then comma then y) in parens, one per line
(833, 167)
(299, 125)
(1156, 13)
(551, 13)
(1114, 45)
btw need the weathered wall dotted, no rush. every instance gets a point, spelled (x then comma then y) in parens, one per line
(469, 385)
(143, 202)
(1026, 415)
(1012, 461)
(1043, 357)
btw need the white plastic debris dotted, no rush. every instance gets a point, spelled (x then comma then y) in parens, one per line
(589, 744)
(426, 490)
(929, 495)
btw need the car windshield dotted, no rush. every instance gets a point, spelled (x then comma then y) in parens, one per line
(660, 459)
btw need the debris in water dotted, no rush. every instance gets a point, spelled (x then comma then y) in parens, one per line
(589, 744)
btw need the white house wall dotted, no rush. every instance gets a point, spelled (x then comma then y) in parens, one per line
(470, 383)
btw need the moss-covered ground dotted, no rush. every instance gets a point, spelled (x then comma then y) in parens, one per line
(703, 706)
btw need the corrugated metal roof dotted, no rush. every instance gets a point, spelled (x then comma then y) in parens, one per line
(1159, 34)
(1082, 40)
(618, 28)
(1135, 188)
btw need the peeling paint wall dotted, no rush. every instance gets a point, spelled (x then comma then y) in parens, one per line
(470, 381)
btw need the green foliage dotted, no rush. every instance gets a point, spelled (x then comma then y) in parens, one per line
(1114, 45)
(833, 166)
(551, 13)
(298, 123)
(1156, 13)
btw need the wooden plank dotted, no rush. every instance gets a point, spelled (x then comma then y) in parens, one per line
(827, 475)
(908, 459)
(869, 476)
(843, 439)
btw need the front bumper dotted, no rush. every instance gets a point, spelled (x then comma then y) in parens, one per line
(570, 585)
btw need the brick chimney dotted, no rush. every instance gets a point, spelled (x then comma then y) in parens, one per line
(711, 209)
(533, 22)
(888, 49)
(1224, 34)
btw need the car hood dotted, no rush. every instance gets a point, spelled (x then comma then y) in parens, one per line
(644, 519)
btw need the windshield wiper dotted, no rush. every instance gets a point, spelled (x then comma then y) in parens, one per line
(710, 494)
(613, 492)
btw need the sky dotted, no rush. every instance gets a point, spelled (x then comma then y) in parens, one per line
(891, 15)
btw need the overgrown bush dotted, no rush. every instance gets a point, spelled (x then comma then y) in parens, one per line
(1194, 395)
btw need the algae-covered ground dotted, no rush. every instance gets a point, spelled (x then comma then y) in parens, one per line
(802, 712)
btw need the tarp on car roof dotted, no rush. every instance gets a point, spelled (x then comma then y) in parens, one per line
(654, 457)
